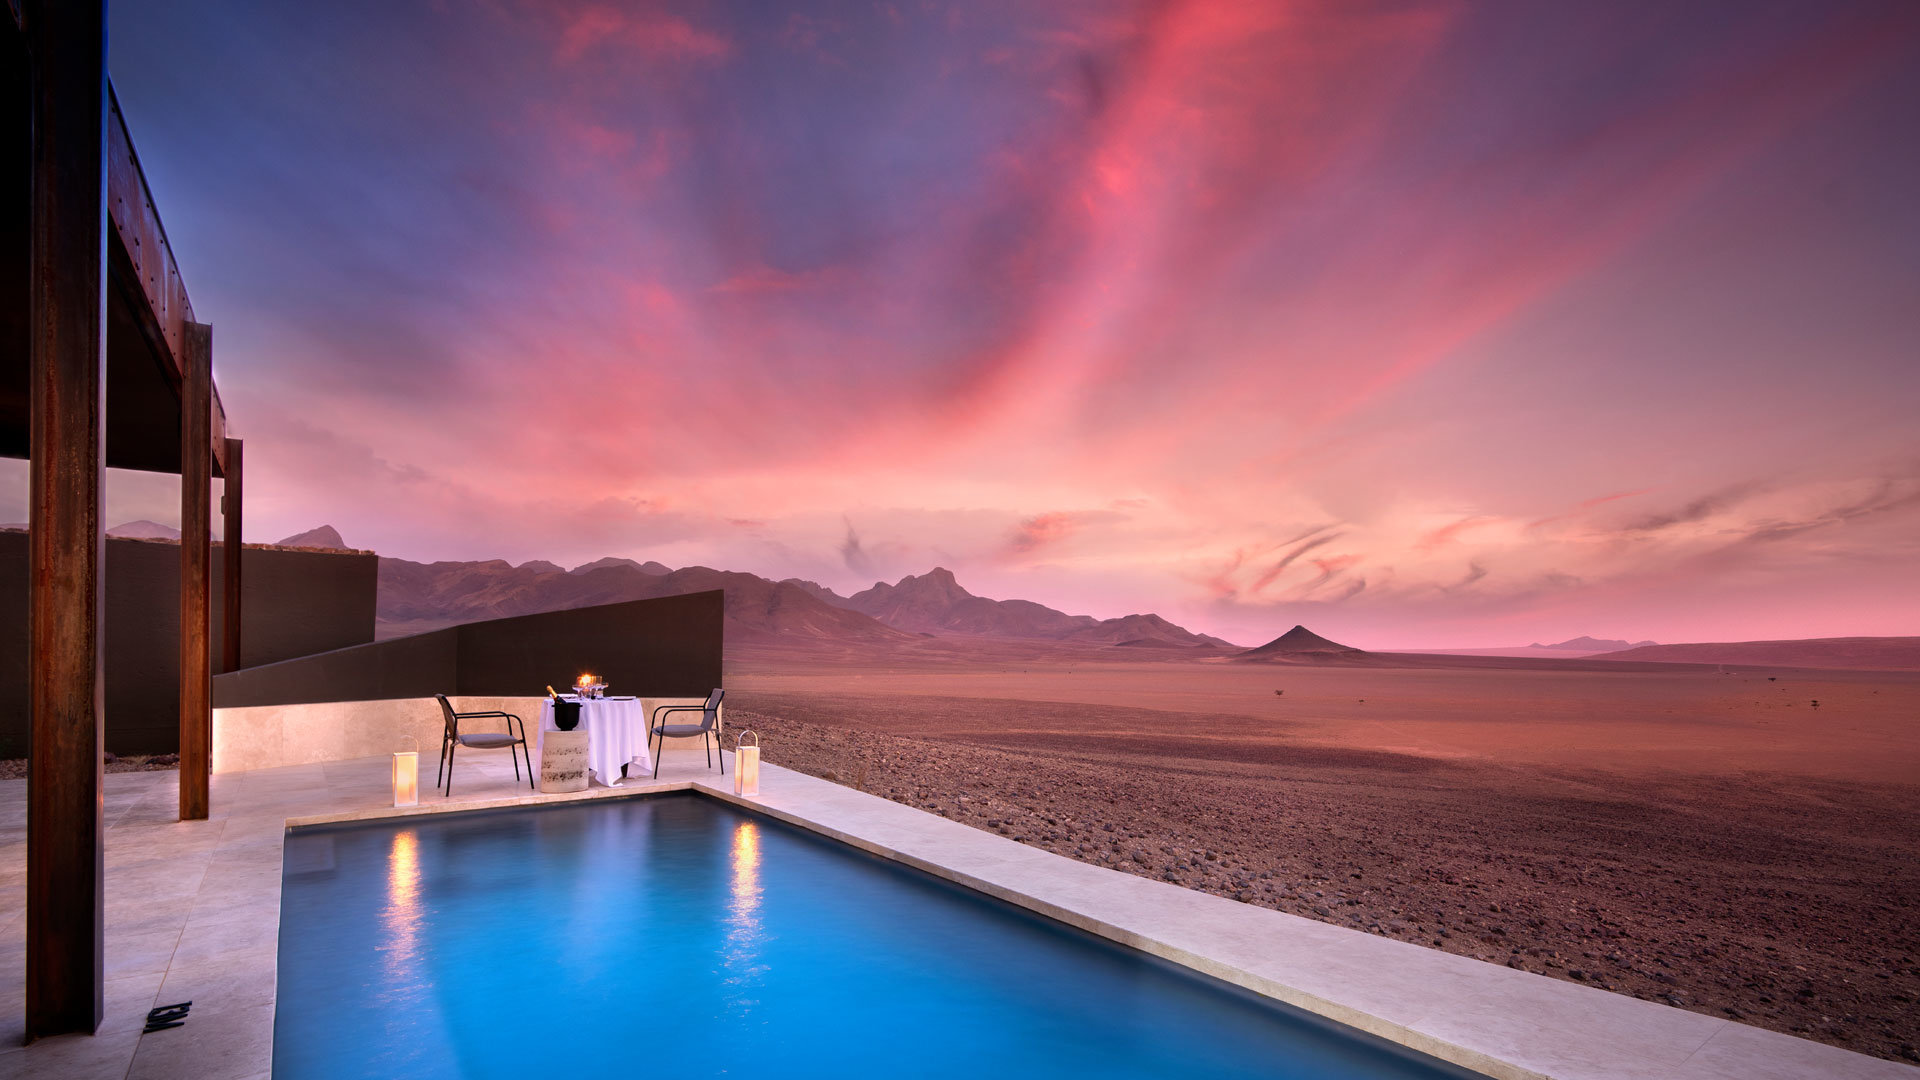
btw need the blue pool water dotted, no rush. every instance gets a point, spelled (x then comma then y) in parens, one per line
(678, 937)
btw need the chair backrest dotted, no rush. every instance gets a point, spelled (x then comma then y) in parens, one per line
(710, 713)
(446, 707)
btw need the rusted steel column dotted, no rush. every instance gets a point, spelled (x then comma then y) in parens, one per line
(231, 512)
(67, 306)
(196, 568)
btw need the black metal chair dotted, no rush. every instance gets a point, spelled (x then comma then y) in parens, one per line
(451, 740)
(709, 725)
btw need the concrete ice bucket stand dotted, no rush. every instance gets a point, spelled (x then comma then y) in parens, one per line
(563, 761)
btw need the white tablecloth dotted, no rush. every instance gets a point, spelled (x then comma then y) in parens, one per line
(616, 735)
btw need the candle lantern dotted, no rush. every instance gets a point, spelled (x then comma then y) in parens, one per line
(406, 778)
(746, 765)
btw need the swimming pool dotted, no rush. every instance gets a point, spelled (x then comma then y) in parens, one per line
(678, 936)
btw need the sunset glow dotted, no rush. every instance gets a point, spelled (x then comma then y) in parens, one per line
(1425, 324)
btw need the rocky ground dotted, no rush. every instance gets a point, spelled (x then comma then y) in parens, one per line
(16, 768)
(1793, 906)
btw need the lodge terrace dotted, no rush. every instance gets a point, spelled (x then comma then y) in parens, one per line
(107, 365)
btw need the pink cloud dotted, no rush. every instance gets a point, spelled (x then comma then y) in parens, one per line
(1585, 505)
(655, 34)
(1449, 533)
(1041, 531)
(768, 279)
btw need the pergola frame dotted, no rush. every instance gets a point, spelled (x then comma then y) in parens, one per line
(104, 366)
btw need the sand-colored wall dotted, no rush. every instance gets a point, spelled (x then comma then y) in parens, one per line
(271, 736)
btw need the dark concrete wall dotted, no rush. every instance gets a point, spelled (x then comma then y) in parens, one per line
(418, 666)
(295, 603)
(666, 647)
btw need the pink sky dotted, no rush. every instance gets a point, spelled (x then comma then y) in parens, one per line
(1421, 324)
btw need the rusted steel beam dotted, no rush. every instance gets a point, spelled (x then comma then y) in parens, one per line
(136, 224)
(67, 353)
(146, 271)
(219, 438)
(233, 510)
(196, 569)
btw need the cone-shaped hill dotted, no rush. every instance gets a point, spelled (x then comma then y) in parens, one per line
(1302, 646)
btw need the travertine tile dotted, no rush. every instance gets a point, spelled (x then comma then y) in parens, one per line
(1741, 1052)
(124, 1005)
(215, 1044)
(137, 913)
(69, 1057)
(138, 954)
(221, 983)
(208, 940)
(127, 1001)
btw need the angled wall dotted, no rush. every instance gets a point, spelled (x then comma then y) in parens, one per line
(665, 647)
(410, 667)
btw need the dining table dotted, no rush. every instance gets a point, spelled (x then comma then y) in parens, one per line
(617, 735)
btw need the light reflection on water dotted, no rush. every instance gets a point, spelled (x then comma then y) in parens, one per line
(403, 915)
(745, 936)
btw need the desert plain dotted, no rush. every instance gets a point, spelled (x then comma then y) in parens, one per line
(1700, 835)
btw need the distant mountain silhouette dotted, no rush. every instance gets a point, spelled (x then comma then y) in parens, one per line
(422, 596)
(1863, 653)
(819, 592)
(1142, 631)
(1592, 644)
(648, 567)
(542, 566)
(1302, 646)
(326, 536)
(145, 530)
(936, 603)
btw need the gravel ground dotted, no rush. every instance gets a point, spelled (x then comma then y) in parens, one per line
(16, 768)
(1791, 907)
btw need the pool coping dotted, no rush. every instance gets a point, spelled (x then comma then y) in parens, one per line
(1500, 1022)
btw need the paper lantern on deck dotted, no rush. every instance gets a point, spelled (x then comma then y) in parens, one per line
(746, 765)
(406, 778)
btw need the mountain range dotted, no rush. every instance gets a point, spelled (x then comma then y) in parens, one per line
(935, 603)
(144, 530)
(414, 597)
(1592, 644)
(1862, 653)
(326, 536)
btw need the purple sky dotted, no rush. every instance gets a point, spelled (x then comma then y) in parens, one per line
(1423, 324)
